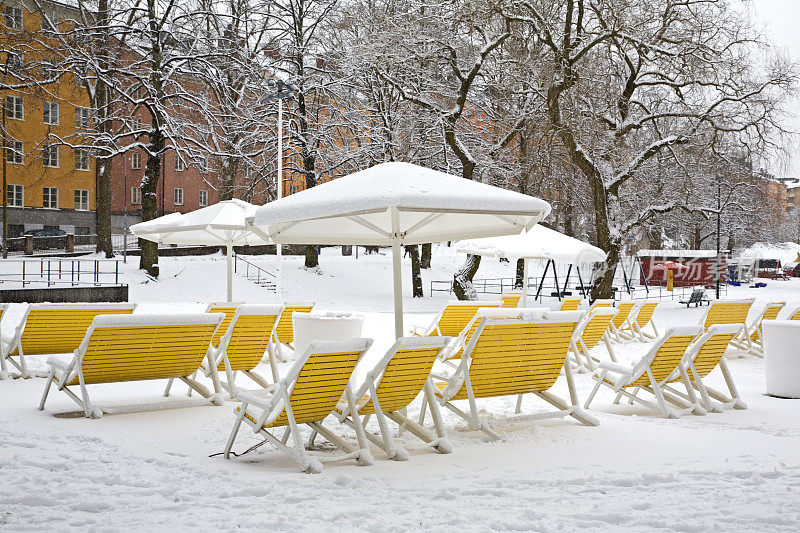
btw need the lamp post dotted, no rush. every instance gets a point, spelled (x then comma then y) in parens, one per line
(283, 91)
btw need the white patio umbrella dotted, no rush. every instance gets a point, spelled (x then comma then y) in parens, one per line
(222, 224)
(396, 204)
(538, 242)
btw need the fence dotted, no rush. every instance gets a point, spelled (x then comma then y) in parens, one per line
(253, 272)
(55, 272)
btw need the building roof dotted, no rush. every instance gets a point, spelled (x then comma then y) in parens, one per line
(677, 253)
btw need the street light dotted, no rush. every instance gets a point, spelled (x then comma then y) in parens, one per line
(282, 91)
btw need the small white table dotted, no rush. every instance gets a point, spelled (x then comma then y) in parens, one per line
(312, 326)
(782, 352)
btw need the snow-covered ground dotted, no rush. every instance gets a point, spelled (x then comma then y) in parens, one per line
(735, 471)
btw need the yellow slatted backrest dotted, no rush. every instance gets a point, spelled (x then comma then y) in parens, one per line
(510, 300)
(249, 340)
(517, 357)
(711, 353)
(49, 331)
(667, 358)
(645, 313)
(595, 329)
(570, 304)
(623, 311)
(228, 311)
(727, 313)
(796, 315)
(403, 379)
(456, 317)
(319, 386)
(132, 353)
(770, 313)
(285, 329)
(599, 303)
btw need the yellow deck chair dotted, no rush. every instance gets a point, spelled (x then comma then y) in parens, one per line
(590, 332)
(795, 315)
(54, 329)
(455, 316)
(570, 304)
(391, 386)
(756, 342)
(513, 357)
(730, 312)
(600, 302)
(703, 356)
(3, 370)
(621, 322)
(284, 331)
(135, 348)
(636, 328)
(226, 308)
(651, 373)
(510, 299)
(307, 395)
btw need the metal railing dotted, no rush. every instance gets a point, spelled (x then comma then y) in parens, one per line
(258, 275)
(52, 272)
(487, 286)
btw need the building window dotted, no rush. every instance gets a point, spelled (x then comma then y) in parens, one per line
(136, 160)
(83, 118)
(81, 199)
(178, 196)
(15, 152)
(50, 155)
(203, 198)
(14, 195)
(202, 165)
(179, 165)
(51, 113)
(136, 124)
(13, 16)
(14, 108)
(136, 195)
(50, 197)
(81, 159)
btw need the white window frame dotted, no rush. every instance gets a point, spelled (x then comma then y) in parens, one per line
(17, 151)
(14, 18)
(83, 118)
(136, 161)
(179, 164)
(203, 200)
(177, 196)
(47, 113)
(136, 195)
(47, 158)
(82, 154)
(81, 200)
(47, 197)
(16, 188)
(19, 104)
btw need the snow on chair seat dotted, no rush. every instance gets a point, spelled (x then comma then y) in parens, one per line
(515, 357)
(307, 395)
(395, 381)
(510, 299)
(54, 329)
(135, 348)
(590, 331)
(651, 373)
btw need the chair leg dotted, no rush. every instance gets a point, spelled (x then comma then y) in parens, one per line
(436, 414)
(236, 426)
(168, 387)
(518, 408)
(577, 412)
(47, 388)
(662, 403)
(364, 456)
(599, 379)
(738, 403)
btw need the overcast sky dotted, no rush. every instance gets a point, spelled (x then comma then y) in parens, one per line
(780, 20)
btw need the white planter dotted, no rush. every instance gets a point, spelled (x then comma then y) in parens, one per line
(310, 327)
(782, 352)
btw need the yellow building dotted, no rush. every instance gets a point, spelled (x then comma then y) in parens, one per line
(49, 182)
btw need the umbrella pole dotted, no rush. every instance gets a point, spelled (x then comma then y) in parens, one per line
(524, 283)
(230, 271)
(396, 270)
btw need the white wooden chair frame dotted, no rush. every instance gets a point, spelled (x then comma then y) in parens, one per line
(372, 384)
(756, 346)
(578, 348)
(434, 326)
(16, 339)
(461, 377)
(3, 367)
(623, 333)
(277, 344)
(743, 343)
(626, 376)
(63, 371)
(637, 332)
(270, 407)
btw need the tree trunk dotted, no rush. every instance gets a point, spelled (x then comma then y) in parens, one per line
(462, 280)
(149, 250)
(604, 282)
(519, 274)
(230, 167)
(312, 257)
(104, 165)
(425, 257)
(416, 275)
(103, 207)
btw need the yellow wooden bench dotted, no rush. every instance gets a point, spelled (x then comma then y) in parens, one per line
(307, 395)
(515, 357)
(135, 348)
(53, 329)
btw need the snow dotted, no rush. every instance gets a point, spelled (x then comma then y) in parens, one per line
(677, 253)
(433, 207)
(537, 243)
(151, 471)
(786, 252)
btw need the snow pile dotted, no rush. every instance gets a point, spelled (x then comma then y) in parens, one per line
(786, 252)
